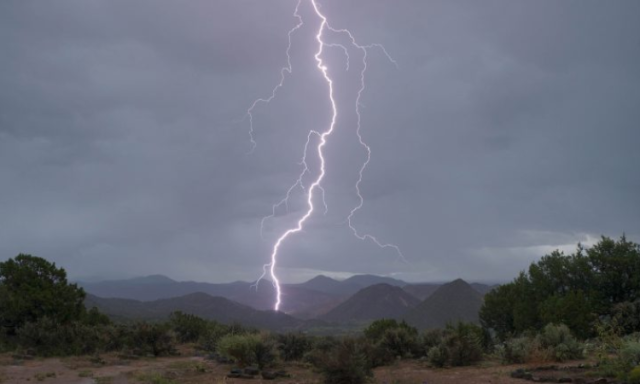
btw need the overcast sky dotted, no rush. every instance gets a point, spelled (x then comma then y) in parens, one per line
(508, 129)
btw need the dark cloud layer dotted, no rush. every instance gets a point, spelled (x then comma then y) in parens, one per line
(509, 128)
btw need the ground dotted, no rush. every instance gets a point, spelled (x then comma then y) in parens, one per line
(113, 369)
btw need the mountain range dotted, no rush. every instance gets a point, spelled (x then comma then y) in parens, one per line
(452, 302)
(357, 299)
(374, 302)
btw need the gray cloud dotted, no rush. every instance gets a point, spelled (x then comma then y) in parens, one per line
(508, 129)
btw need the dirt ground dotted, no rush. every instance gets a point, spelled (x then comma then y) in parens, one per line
(197, 370)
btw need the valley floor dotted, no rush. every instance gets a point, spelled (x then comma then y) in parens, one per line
(197, 370)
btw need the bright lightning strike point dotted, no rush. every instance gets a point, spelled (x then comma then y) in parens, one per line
(322, 141)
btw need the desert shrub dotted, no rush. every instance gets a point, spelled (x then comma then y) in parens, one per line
(188, 328)
(399, 342)
(95, 317)
(388, 339)
(321, 346)
(456, 345)
(630, 352)
(346, 362)
(431, 338)
(266, 351)
(293, 346)
(47, 337)
(248, 349)
(627, 316)
(560, 343)
(554, 342)
(376, 330)
(152, 339)
(634, 376)
(208, 340)
(514, 351)
(464, 343)
(624, 365)
(438, 356)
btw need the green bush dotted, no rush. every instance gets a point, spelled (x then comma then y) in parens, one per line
(248, 349)
(321, 346)
(188, 328)
(560, 343)
(514, 351)
(630, 353)
(376, 330)
(399, 342)
(634, 376)
(388, 339)
(47, 337)
(464, 343)
(431, 338)
(152, 339)
(293, 346)
(624, 366)
(208, 340)
(346, 362)
(438, 356)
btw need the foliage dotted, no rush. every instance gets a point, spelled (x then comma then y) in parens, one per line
(627, 316)
(32, 288)
(559, 341)
(377, 328)
(624, 363)
(188, 328)
(431, 338)
(633, 376)
(346, 362)
(248, 349)
(553, 343)
(457, 345)
(399, 342)
(464, 343)
(152, 339)
(321, 347)
(47, 337)
(389, 339)
(208, 341)
(95, 317)
(575, 290)
(438, 356)
(293, 346)
(514, 351)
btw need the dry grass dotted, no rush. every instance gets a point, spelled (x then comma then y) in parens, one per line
(197, 370)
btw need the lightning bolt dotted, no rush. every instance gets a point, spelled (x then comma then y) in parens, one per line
(283, 72)
(321, 137)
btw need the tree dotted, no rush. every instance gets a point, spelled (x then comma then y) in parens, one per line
(32, 288)
(573, 289)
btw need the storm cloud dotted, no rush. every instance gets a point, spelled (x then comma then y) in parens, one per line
(507, 130)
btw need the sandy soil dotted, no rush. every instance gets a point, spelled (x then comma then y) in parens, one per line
(197, 370)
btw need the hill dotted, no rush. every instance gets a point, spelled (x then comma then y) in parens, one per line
(199, 304)
(307, 300)
(454, 301)
(483, 288)
(374, 302)
(298, 298)
(421, 290)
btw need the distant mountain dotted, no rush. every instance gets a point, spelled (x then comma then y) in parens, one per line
(199, 304)
(483, 288)
(368, 280)
(310, 299)
(373, 302)
(454, 301)
(322, 283)
(421, 290)
(150, 288)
